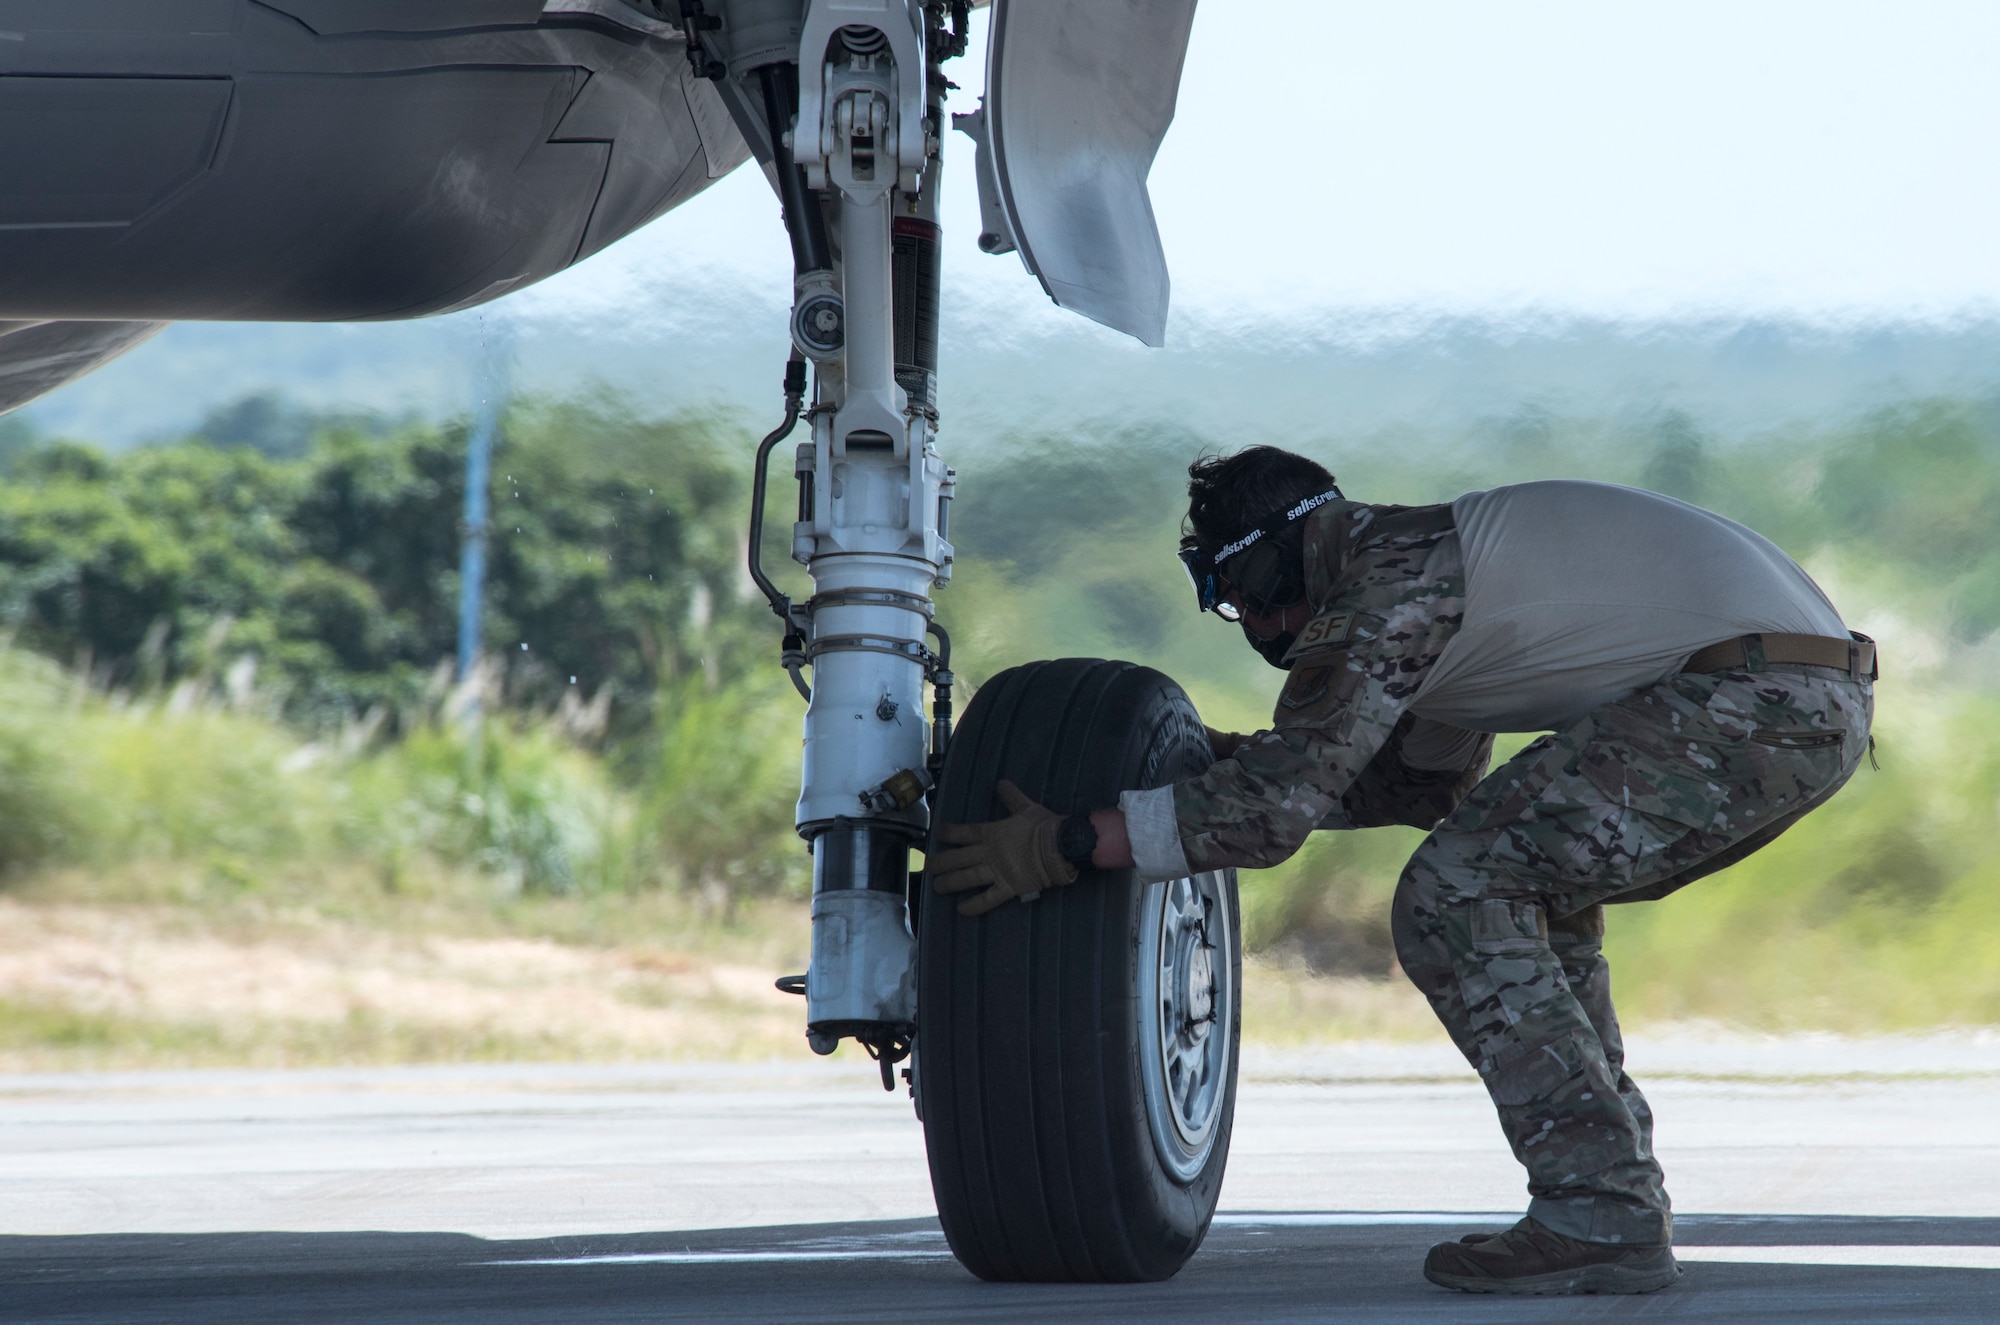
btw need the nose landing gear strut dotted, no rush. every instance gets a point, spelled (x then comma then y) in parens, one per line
(1073, 1062)
(853, 113)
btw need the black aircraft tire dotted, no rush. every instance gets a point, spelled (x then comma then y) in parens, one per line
(1077, 1129)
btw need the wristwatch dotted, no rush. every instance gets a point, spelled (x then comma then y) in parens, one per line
(1077, 839)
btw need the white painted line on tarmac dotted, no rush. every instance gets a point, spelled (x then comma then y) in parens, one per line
(1926, 1258)
(731, 1257)
(1359, 1219)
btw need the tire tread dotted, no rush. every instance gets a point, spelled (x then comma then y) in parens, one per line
(1025, 1025)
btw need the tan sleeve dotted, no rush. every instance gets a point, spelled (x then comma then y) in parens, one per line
(1156, 841)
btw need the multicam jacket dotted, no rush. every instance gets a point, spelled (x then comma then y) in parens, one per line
(1387, 585)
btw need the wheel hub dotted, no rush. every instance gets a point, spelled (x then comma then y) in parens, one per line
(1187, 1050)
(1198, 994)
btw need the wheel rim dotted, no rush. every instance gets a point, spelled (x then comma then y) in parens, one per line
(1186, 1006)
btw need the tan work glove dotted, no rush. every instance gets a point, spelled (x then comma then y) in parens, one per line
(1011, 857)
(1224, 744)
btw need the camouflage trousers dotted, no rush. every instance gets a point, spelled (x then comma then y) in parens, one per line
(1499, 915)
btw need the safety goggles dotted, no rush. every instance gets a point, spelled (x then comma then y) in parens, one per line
(1204, 568)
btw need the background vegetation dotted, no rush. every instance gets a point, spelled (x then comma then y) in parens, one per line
(228, 680)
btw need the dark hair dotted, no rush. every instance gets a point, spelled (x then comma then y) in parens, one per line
(1229, 494)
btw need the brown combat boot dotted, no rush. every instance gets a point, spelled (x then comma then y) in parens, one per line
(1530, 1258)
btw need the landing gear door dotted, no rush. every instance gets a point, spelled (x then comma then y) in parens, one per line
(1078, 97)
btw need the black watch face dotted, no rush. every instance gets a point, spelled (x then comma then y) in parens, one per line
(1078, 840)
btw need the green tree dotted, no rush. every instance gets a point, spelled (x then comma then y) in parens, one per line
(615, 561)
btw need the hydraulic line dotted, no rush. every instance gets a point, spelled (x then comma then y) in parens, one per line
(793, 656)
(803, 221)
(811, 253)
(941, 683)
(795, 391)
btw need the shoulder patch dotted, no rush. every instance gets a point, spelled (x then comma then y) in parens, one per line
(1325, 631)
(1307, 687)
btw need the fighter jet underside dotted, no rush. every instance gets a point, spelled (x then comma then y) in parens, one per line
(352, 160)
(358, 160)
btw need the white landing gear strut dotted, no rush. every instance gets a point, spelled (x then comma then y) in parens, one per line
(859, 158)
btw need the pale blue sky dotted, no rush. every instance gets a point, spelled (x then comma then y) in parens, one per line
(1818, 159)
(1347, 176)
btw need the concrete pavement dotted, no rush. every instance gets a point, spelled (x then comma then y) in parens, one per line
(1840, 1178)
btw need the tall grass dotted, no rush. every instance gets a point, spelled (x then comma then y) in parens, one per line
(720, 792)
(192, 775)
(1880, 911)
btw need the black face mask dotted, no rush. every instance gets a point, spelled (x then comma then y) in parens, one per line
(1273, 650)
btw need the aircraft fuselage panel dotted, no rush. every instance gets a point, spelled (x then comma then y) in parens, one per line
(329, 160)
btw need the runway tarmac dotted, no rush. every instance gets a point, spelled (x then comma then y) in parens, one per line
(899, 1269)
(1836, 1180)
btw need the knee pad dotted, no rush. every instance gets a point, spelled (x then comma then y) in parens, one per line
(1585, 924)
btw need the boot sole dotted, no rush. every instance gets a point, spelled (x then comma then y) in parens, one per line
(1589, 1279)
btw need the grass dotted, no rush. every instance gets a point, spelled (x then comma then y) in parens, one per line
(190, 883)
(144, 966)
(185, 965)
(1287, 1004)
(37, 1036)
(216, 983)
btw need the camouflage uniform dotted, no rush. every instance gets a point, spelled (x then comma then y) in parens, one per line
(1392, 585)
(1498, 917)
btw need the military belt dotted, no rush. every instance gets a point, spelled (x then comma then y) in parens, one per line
(1855, 655)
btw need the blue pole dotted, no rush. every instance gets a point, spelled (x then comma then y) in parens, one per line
(478, 472)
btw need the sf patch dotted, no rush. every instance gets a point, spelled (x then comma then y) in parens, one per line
(1328, 630)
